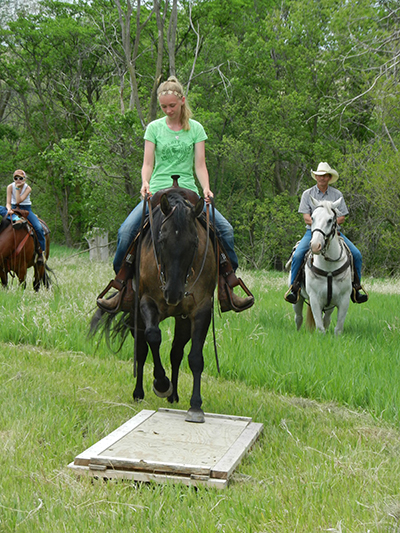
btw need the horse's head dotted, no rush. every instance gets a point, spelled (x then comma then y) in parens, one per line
(324, 225)
(178, 242)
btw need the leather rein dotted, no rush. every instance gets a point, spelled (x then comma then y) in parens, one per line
(329, 274)
(147, 202)
(161, 273)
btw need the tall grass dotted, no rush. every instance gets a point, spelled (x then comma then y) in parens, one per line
(319, 466)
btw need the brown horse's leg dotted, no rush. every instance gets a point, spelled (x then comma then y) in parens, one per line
(162, 386)
(141, 355)
(3, 277)
(39, 276)
(181, 338)
(196, 362)
(21, 273)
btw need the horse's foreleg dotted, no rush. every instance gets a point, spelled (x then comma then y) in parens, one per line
(200, 326)
(317, 312)
(21, 273)
(181, 338)
(161, 385)
(3, 277)
(141, 355)
(327, 318)
(341, 315)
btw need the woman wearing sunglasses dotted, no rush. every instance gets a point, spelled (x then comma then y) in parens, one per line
(18, 195)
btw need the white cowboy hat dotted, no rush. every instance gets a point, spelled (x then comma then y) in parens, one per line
(324, 168)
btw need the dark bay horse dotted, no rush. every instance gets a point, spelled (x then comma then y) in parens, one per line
(17, 254)
(177, 279)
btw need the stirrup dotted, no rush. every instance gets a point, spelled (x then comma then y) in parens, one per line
(124, 298)
(357, 297)
(292, 295)
(229, 301)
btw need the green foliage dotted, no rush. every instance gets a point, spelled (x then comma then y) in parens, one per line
(272, 227)
(279, 86)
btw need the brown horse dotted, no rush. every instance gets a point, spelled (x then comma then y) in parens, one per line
(177, 279)
(18, 253)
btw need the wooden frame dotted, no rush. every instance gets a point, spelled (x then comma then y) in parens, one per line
(161, 446)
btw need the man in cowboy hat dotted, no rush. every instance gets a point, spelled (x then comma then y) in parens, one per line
(322, 191)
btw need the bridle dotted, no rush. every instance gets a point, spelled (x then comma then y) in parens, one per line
(328, 237)
(329, 275)
(160, 268)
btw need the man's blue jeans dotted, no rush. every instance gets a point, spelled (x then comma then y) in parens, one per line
(130, 227)
(304, 245)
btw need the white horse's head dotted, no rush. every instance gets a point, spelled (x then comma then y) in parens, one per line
(324, 224)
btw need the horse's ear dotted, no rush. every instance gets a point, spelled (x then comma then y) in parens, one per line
(314, 201)
(165, 205)
(336, 204)
(198, 208)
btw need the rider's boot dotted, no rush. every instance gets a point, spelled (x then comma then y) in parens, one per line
(120, 301)
(356, 296)
(228, 300)
(40, 256)
(293, 294)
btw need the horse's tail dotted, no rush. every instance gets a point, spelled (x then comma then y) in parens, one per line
(310, 322)
(114, 328)
(47, 280)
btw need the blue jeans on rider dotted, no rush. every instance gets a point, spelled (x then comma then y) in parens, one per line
(130, 227)
(33, 219)
(303, 247)
(3, 213)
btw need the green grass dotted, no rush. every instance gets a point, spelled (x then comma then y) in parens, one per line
(328, 458)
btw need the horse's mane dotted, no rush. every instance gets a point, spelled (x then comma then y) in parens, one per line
(328, 206)
(179, 218)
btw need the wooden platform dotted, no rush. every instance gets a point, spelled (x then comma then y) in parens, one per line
(161, 446)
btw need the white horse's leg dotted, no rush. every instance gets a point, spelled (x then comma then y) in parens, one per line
(327, 317)
(317, 312)
(298, 309)
(341, 315)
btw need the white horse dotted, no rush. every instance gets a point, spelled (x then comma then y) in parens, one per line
(328, 272)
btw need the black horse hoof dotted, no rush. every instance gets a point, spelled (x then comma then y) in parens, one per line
(195, 415)
(162, 391)
(174, 398)
(138, 395)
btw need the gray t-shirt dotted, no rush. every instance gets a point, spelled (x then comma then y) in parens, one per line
(331, 195)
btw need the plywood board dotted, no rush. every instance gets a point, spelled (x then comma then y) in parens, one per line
(161, 446)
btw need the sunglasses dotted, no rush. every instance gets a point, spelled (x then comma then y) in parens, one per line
(17, 178)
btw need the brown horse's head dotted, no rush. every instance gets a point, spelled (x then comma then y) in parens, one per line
(176, 243)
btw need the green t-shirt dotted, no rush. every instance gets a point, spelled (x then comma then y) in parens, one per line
(174, 154)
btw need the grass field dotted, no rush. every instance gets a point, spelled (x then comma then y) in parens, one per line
(328, 458)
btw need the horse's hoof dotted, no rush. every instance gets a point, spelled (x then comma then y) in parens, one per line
(173, 398)
(161, 393)
(195, 415)
(138, 395)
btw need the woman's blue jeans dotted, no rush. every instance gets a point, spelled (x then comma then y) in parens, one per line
(303, 247)
(130, 227)
(33, 219)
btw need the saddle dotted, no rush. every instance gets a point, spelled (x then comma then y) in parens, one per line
(227, 279)
(308, 259)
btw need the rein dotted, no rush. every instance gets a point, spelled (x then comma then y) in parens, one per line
(328, 274)
(161, 274)
(187, 293)
(137, 280)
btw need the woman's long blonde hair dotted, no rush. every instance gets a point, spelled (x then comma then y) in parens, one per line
(172, 86)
